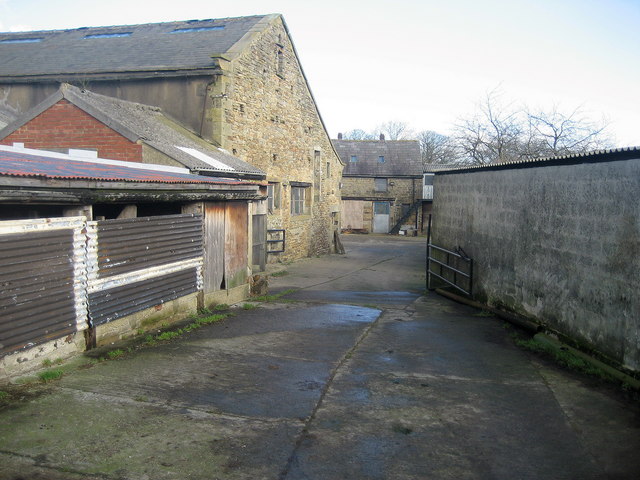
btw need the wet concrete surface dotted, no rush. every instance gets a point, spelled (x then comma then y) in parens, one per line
(362, 377)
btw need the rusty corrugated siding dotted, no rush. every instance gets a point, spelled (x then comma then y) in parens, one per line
(138, 263)
(130, 244)
(113, 303)
(42, 279)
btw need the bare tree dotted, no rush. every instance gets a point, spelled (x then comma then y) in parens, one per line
(556, 133)
(492, 134)
(498, 133)
(358, 134)
(395, 130)
(436, 148)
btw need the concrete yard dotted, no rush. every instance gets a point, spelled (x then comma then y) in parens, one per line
(359, 375)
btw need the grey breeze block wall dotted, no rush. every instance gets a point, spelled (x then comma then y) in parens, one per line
(559, 243)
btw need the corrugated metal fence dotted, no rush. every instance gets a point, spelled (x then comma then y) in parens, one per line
(58, 276)
(136, 263)
(42, 281)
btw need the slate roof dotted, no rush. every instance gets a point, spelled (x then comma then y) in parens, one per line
(45, 165)
(5, 118)
(401, 157)
(147, 124)
(155, 47)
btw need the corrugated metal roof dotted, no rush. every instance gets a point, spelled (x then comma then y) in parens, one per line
(607, 155)
(21, 164)
(401, 157)
(154, 47)
(439, 167)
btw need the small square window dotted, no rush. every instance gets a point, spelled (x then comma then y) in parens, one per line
(354, 159)
(381, 184)
(381, 159)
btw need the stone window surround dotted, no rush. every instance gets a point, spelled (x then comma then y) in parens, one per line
(381, 184)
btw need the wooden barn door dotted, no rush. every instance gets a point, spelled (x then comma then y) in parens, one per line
(226, 245)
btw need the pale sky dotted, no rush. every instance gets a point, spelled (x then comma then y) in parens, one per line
(423, 62)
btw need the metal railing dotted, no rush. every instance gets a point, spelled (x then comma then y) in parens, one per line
(447, 266)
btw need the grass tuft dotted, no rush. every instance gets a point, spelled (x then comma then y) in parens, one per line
(273, 298)
(563, 357)
(113, 354)
(50, 375)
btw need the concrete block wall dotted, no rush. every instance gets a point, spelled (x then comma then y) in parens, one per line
(559, 243)
(66, 126)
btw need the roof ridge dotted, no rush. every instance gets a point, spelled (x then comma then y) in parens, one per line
(132, 25)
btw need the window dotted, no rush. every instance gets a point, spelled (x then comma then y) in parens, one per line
(22, 40)
(108, 35)
(280, 63)
(354, 159)
(298, 196)
(381, 159)
(273, 196)
(381, 208)
(381, 184)
(317, 175)
(328, 170)
(428, 179)
(197, 29)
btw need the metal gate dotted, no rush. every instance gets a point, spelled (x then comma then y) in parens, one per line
(451, 268)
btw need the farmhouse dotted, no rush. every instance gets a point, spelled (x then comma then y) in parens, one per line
(382, 185)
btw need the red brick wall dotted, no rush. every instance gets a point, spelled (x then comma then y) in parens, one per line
(66, 126)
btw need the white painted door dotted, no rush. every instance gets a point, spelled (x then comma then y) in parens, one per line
(380, 217)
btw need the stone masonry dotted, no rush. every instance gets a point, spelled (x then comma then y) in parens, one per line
(400, 191)
(271, 121)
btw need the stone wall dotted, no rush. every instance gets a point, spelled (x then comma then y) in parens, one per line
(559, 243)
(260, 109)
(271, 121)
(400, 191)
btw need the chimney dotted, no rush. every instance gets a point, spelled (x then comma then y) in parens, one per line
(382, 137)
(339, 136)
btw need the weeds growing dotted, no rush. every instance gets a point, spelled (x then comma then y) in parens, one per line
(196, 323)
(273, 298)
(563, 357)
(113, 354)
(50, 375)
